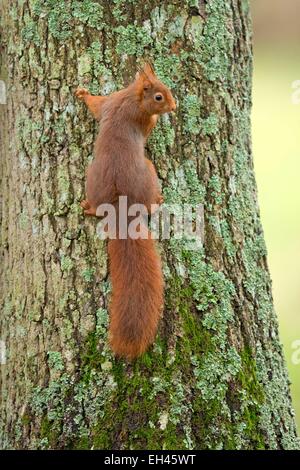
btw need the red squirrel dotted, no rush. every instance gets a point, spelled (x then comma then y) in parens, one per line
(120, 168)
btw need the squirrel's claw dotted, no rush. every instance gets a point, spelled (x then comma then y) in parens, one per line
(160, 199)
(88, 209)
(85, 204)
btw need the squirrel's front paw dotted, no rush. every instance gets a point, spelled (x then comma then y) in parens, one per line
(80, 93)
(85, 204)
(88, 209)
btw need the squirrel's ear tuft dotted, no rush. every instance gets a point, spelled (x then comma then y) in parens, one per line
(143, 79)
(149, 70)
(145, 73)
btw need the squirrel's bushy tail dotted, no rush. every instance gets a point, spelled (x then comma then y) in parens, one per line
(137, 295)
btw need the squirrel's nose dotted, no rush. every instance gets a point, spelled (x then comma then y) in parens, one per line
(173, 107)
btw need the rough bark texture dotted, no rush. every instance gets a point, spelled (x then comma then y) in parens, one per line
(216, 376)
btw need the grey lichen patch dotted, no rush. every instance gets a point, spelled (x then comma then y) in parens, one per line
(24, 220)
(184, 185)
(88, 274)
(256, 277)
(102, 81)
(158, 18)
(2, 92)
(227, 237)
(168, 69)
(216, 372)
(55, 360)
(210, 125)
(89, 13)
(215, 187)
(195, 30)
(217, 41)
(63, 186)
(66, 264)
(60, 16)
(192, 112)
(176, 27)
(84, 65)
(30, 31)
(132, 39)
(162, 139)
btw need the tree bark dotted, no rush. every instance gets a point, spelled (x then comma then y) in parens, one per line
(216, 376)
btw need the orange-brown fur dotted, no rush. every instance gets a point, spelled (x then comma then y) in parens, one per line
(120, 168)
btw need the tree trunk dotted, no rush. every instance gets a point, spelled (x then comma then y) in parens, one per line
(216, 376)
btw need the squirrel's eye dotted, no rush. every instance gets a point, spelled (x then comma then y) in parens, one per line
(158, 97)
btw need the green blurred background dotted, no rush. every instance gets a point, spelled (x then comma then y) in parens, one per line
(276, 147)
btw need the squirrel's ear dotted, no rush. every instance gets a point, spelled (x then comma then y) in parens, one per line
(143, 79)
(149, 70)
(140, 75)
(146, 73)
